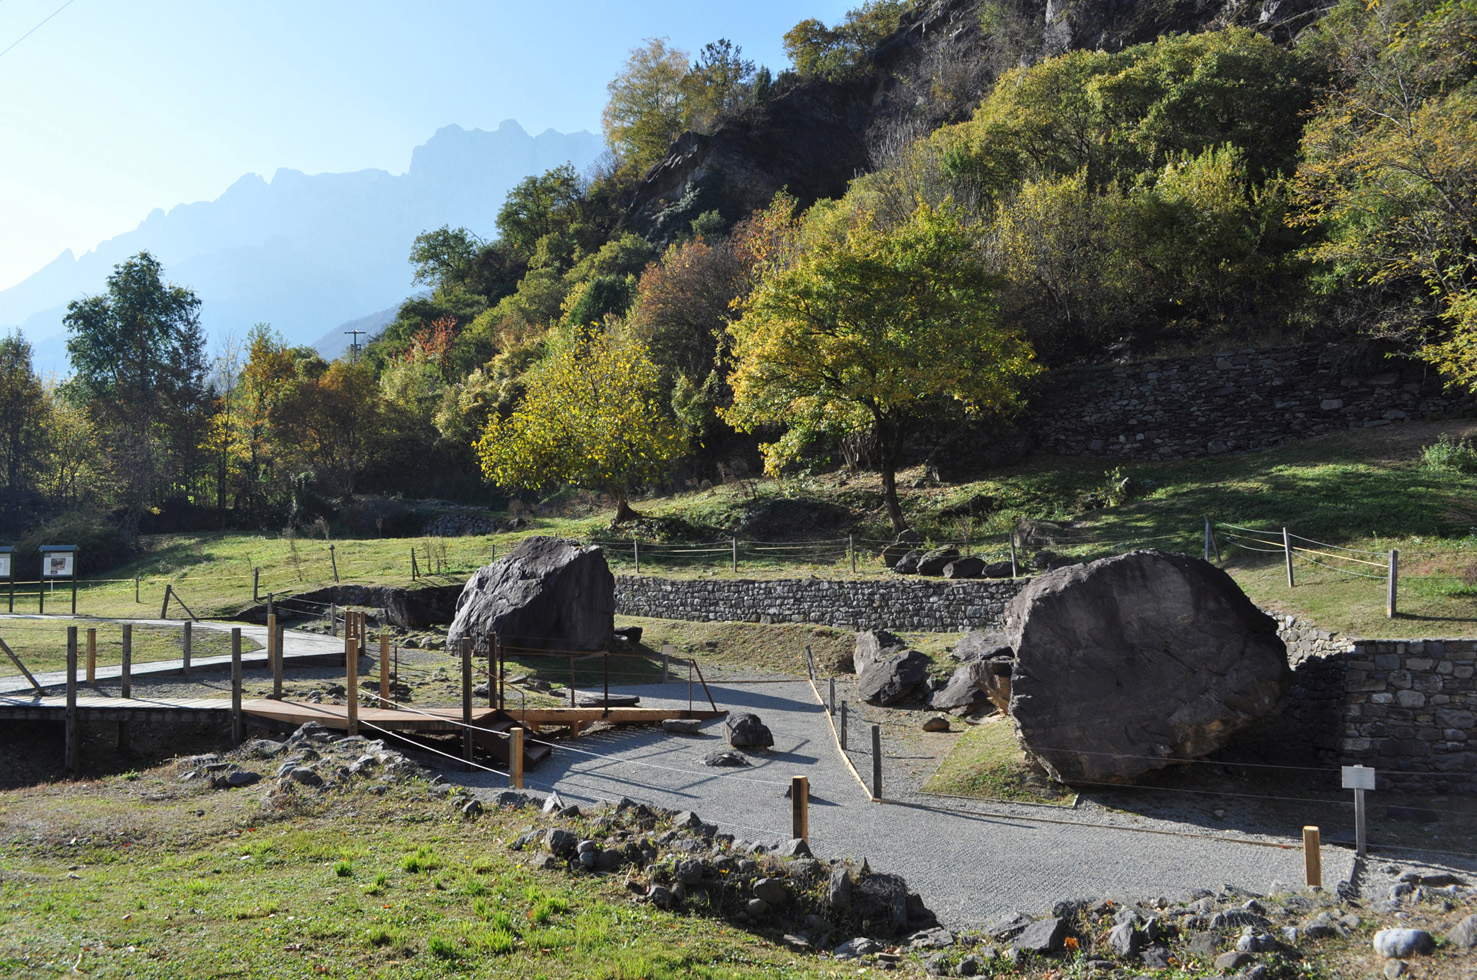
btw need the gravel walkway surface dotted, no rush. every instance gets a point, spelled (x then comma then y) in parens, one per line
(970, 864)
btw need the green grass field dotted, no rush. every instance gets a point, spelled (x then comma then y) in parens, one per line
(1365, 490)
(42, 644)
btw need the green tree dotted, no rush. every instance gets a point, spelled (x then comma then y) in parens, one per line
(444, 256)
(647, 108)
(539, 206)
(592, 418)
(23, 410)
(718, 85)
(138, 362)
(865, 330)
(1389, 170)
(836, 52)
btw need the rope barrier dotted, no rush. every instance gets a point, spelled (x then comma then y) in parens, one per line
(1342, 571)
(1325, 554)
(1325, 544)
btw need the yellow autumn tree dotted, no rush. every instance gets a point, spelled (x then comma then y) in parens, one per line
(865, 330)
(592, 417)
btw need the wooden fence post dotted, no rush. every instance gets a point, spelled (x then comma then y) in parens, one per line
(135, 591)
(467, 702)
(833, 696)
(256, 583)
(1392, 586)
(1312, 857)
(281, 656)
(333, 560)
(187, 641)
(1287, 553)
(125, 685)
(73, 737)
(238, 723)
(515, 757)
(274, 655)
(385, 667)
(636, 554)
(851, 551)
(351, 676)
(91, 655)
(735, 554)
(74, 594)
(415, 569)
(1014, 570)
(800, 808)
(843, 726)
(876, 762)
(164, 609)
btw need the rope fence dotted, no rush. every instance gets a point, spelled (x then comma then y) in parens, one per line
(1350, 562)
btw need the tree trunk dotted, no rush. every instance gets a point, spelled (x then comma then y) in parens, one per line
(887, 447)
(623, 512)
(889, 495)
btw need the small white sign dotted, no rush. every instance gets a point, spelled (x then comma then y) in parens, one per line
(57, 564)
(1358, 777)
(4, 566)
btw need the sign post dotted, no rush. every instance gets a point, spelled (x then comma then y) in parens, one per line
(1359, 779)
(59, 561)
(7, 571)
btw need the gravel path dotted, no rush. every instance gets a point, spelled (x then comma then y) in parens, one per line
(971, 866)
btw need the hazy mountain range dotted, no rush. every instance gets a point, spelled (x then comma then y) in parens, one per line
(304, 252)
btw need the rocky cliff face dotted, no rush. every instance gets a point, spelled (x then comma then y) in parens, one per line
(814, 135)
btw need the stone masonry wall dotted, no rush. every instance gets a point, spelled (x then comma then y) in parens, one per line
(911, 604)
(1232, 402)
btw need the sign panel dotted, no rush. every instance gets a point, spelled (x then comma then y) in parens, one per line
(4, 565)
(1358, 777)
(58, 564)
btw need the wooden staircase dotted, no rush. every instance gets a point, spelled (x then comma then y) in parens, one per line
(496, 745)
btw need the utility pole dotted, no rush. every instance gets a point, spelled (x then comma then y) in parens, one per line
(354, 343)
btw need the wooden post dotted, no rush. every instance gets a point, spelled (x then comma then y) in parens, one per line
(238, 721)
(415, 569)
(332, 619)
(385, 667)
(333, 560)
(515, 757)
(12, 593)
(735, 554)
(1014, 569)
(135, 591)
(256, 582)
(1361, 823)
(851, 551)
(73, 737)
(187, 641)
(1392, 585)
(571, 680)
(351, 677)
(1287, 554)
(800, 808)
(876, 762)
(636, 554)
(467, 701)
(41, 598)
(1312, 857)
(164, 609)
(605, 662)
(348, 636)
(666, 663)
(843, 726)
(125, 677)
(1207, 539)
(274, 660)
(91, 655)
(497, 660)
(74, 593)
(833, 696)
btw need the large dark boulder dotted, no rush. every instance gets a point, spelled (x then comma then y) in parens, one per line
(981, 645)
(933, 562)
(547, 594)
(746, 731)
(1131, 663)
(970, 567)
(886, 670)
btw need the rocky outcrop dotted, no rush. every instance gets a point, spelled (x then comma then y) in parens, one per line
(548, 593)
(1130, 663)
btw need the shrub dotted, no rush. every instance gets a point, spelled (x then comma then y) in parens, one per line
(1449, 454)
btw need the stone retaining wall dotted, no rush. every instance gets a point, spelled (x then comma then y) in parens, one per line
(901, 604)
(1232, 402)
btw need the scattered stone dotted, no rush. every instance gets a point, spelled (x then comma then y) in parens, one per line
(724, 759)
(1155, 957)
(934, 562)
(745, 730)
(1233, 961)
(263, 748)
(472, 808)
(560, 842)
(1042, 936)
(757, 907)
(795, 847)
(773, 891)
(890, 676)
(938, 723)
(1395, 969)
(682, 726)
(1463, 935)
(1126, 940)
(908, 563)
(971, 966)
(969, 567)
(242, 777)
(854, 949)
(305, 776)
(936, 938)
(1399, 944)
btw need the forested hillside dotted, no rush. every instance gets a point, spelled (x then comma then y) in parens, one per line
(933, 205)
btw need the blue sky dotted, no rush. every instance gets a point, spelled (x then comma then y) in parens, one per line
(115, 107)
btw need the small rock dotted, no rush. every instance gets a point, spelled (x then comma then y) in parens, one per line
(724, 759)
(937, 938)
(798, 943)
(661, 897)
(1399, 944)
(682, 726)
(561, 842)
(687, 819)
(773, 891)
(757, 907)
(1395, 969)
(1043, 936)
(971, 966)
(938, 723)
(589, 859)
(795, 847)
(1463, 935)
(1125, 940)
(1233, 961)
(745, 730)
(856, 948)
(242, 777)
(1155, 957)
(305, 776)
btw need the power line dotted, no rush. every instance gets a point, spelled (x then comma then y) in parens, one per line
(37, 27)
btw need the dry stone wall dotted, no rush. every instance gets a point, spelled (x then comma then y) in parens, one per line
(1232, 402)
(901, 604)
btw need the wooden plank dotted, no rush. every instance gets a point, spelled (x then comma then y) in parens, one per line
(565, 716)
(22, 667)
(73, 737)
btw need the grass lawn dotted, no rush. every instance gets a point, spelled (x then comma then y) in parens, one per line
(1364, 489)
(140, 876)
(42, 644)
(987, 763)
